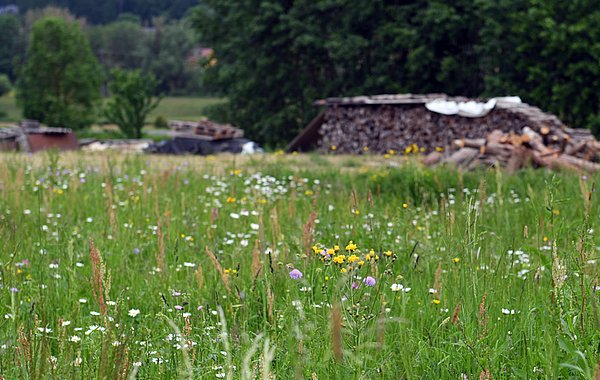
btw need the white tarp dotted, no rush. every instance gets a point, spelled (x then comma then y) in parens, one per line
(467, 109)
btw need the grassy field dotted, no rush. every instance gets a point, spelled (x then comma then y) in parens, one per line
(181, 108)
(313, 267)
(8, 109)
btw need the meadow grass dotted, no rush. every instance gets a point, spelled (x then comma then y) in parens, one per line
(8, 108)
(293, 267)
(183, 107)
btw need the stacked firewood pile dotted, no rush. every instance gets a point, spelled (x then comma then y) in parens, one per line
(205, 129)
(361, 124)
(563, 148)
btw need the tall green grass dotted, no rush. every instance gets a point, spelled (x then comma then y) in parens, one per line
(502, 270)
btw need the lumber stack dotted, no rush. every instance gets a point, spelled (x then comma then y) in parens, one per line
(554, 149)
(205, 129)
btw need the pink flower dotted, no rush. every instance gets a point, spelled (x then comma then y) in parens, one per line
(369, 281)
(295, 274)
(354, 286)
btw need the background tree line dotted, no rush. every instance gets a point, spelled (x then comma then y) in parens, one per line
(161, 47)
(106, 11)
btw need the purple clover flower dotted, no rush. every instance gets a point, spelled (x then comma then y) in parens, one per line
(369, 281)
(354, 285)
(295, 274)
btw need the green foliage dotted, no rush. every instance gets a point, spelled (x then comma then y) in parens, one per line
(105, 11)
(11, 37)
(548, 53)
(168, 57)
(5, 85)
(60, 80)
(122, 44)
(161, 122)
(132, 100)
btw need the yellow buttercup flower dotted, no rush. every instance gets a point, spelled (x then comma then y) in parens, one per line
(351, 246)
(339, 259)
(352, 259)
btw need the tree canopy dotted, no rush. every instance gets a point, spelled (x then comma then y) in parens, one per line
(105, 11)
(131, 102)
(60, 79)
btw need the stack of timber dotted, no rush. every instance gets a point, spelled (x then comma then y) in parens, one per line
(571, 149)
(205, 129)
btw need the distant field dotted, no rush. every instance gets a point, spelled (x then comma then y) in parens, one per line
(8, 109)
(183, 108)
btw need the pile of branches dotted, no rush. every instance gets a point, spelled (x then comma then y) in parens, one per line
(555, 149)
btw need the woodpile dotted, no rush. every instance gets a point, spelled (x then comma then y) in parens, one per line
(381, 128)
(555, 149)
(205, 129)
(513, 134)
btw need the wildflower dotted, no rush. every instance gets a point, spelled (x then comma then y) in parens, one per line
(336, 248)
(316, 249)
(351, 246)
(178, 307)
(369, 281)
(388, 253)
(136, 251)
(456, 260)
(133, 312)
(508, 312)
(14, 290)
(343, 270)
(65, 323)
(397, 287)
(75, 339)
(82, 300)
(295, 274)
(352, 259)
(354, 286)
(404, 205)
(333, 148)
(339, 259)
(436, 301)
